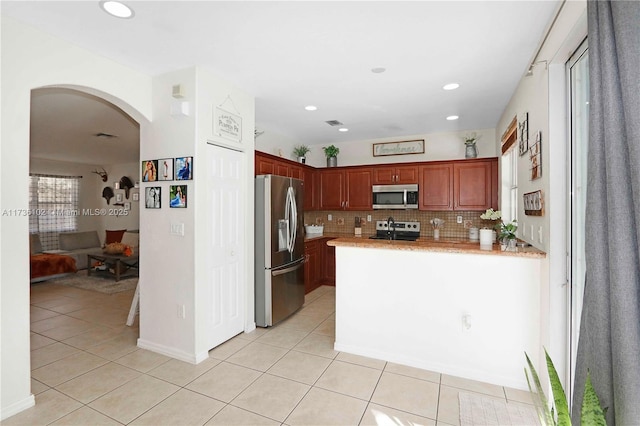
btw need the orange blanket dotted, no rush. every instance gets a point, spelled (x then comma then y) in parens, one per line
(44, 264)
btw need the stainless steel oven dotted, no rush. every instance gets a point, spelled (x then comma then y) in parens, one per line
(395, 196)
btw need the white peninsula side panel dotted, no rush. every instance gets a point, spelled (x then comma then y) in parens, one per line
(465, 315)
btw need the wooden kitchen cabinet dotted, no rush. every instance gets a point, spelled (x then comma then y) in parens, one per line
(470, 185)
(313, 275)
(346, 189)
(329, 261)
(267, 164)
(395, 175)
(472, 182)
(311, 189)
(436, 187)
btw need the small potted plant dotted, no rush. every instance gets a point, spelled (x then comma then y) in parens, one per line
(300, 151)
(331, 152)
(470, 146)
(508, 233)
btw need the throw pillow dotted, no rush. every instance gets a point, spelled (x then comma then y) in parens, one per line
(114, 248)
(114, 236)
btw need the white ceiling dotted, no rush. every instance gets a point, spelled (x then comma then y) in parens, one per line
(296, 53)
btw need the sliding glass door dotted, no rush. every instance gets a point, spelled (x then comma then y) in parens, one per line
(578, 84)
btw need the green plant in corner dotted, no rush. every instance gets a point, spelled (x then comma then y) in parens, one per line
(331, 151)
(301, 150)
(592, 413)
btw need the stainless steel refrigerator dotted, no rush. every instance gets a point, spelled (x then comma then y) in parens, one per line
(279, 245)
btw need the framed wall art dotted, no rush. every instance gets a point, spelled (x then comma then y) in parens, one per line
(183, 167)
(150, 170)
(533, 203)
(523, 133)
(152, 197)
(535, 156)
(165, 169)
(178, 196)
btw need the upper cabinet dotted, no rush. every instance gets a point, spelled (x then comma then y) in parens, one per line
(345, 189)
(267, 164)
(395, 175)
(436, 186)
(470, 185)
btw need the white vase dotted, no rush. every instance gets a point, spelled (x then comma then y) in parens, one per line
(486, 238)
(436, 234)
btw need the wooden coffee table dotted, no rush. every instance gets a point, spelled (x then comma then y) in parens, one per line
(121, 264)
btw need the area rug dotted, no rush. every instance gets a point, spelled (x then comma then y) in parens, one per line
(98, 283)
(480, 410)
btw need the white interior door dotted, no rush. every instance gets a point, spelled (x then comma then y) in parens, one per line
(225, 246)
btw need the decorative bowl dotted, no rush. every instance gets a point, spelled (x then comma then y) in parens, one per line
(314, 229)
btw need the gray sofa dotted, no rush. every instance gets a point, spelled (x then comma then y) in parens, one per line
(78, 245)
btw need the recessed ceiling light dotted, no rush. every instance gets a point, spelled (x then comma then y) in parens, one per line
(452, 117)
(451, 86)
(378, 70)
(311, 107)
(117, 9)
(343, 129)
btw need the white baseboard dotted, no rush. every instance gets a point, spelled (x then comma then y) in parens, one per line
(172, 352)
(17, 407)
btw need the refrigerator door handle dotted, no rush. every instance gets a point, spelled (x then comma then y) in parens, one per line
(287, 270)
(291, 214)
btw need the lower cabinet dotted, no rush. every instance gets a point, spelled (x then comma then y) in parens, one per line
(320, 264)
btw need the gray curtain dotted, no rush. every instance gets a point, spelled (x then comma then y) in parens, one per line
(609, 344)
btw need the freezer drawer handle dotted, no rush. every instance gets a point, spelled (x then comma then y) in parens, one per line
(287, 270)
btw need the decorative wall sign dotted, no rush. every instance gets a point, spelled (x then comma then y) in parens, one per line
(165, 169)
(227, 125)
(184, 168)
(523, 133)
(398, 148)
(152, 197)
(533, 203)
(535, 155)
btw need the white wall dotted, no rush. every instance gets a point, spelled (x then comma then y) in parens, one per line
(38, 61)
(438, 146)
(543, 96)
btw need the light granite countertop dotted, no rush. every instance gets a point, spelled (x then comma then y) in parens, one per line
(429, 244)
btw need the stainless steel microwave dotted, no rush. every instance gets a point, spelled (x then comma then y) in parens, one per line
(395, 196)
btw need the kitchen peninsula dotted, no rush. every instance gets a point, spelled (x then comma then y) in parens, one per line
(449, 307)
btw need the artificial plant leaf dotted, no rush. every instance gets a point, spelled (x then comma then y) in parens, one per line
(542, 405)
(559, 397)
(592, 413)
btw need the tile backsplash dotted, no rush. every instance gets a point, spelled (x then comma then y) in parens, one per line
(344, 221)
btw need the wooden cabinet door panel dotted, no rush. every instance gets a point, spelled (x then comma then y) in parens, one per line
(472, 185)
(358, 189)
(329, 263)
(436, 187)
(384, 176)
(264, 166)
(332, 189)
(407, 174)
(310, 189)
(282, 169)
(296, 172)
(313, 266)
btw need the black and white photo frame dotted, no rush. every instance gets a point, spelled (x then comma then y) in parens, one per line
(152, 197)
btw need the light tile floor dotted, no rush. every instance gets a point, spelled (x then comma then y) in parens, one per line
(87, 370)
